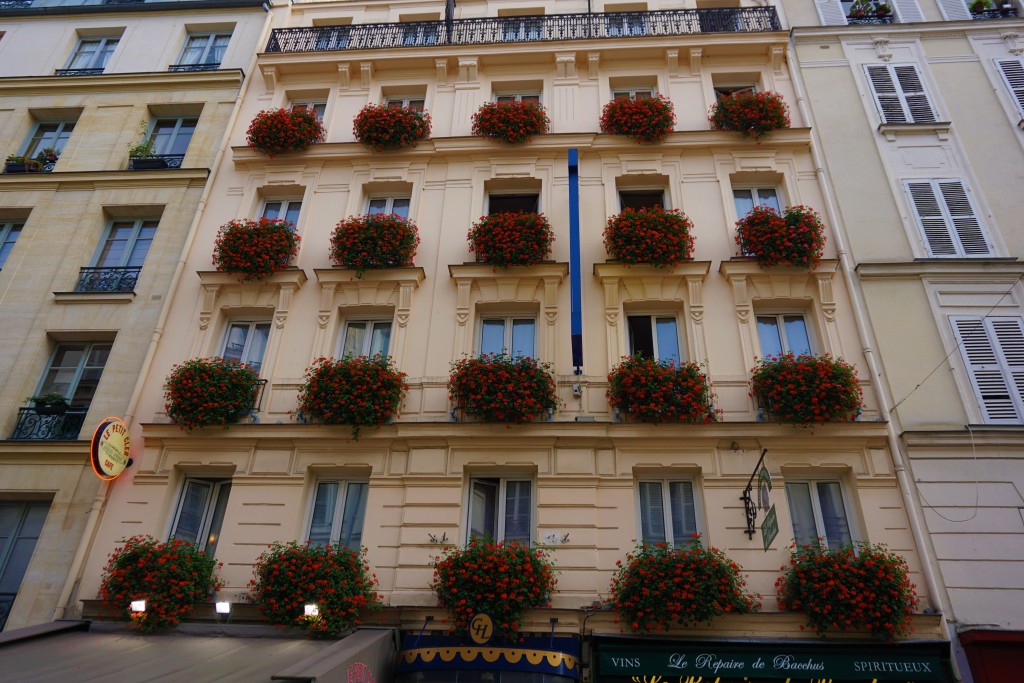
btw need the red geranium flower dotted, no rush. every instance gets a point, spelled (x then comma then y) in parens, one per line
(384, 127)
(513, 122)
(754, 114)
(796, 236)
(276, 131)
(654, 236)
(255, 249)
(647, 119)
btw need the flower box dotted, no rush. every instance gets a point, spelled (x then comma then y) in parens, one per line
(645, 120)
(646, 389)
(502, 388)
(255, 250)
(276, 131)
(359, 392)
(147, 163)
(29, 166)
(754, 114)
(497, 579)
(374, 241)
(511, 239)
(653, 236)
(863, 586)
(795, 237)
(659, 586)
(386, 127)
(202, 392)
(511, 122)
(807, 390)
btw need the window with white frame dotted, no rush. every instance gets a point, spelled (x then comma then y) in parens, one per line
(1012, 71)
(626, 19)
(9, 233)
(200, 513)
(641, 199)
(517, 97)
(899, 93)
(396, 205)
(516, 29)
(947, 218)
(501, 509)
(339, 511)
(746, 198)
(318, 107)
(74, 371)
(818, 511)
(414, 102)
(204, 50)
(171, 136)
(283, 209)
(781, 333)
(514, 335)
(92, 54)
(246, 342)
(668, 512)
(993, 351)
(513, 203)
(126, 243)
(632, 93)
(654, 336)
(48, 136)
(728, 90)
(365, 338)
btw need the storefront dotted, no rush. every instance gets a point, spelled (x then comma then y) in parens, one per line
(448, 659)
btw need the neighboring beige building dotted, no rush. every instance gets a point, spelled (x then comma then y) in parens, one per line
(90, 244)
(920, 123)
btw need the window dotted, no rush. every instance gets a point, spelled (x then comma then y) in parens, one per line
(512, 203)
(332, 37)
(783, 333)
(9, 232)
(396, 205)
(287, 209)
(365, 338)
(653, 336)
(126, 244)
(641, 199)
(92, 54)
(501, 509)
(626, 23)
(747, 198)
(415, 102)
(515, 29)
(727, 90)
(993, 351)
(420, 33)
(339, 510)
(246, 342)
(203, 51)
(517, 97)
(74, 371)
(632, 94)
(318, 107)
(1012, 71)
(200, 513)
(171, 136)
(21, 524)
(899, 93)
(818, 511)
(511, 335)
(947, 218)
(49, 135)
(674, 523)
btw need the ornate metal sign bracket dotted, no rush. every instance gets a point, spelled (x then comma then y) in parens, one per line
(748, 503)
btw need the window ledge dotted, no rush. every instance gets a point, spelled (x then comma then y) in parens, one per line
(483, 271)
(616, 269)
(371, 278)
(742, 266)
(94, 297)
(891, 130)
(290, 276)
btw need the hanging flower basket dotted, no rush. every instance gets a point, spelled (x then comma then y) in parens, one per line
(807, 390)
(276, 131)
(497, 387)
(754, 114)
(497, 579)
(360, 392)
(658, 587)
(850, 588)
(254, 250)
(386, 127)
(289, 576)
(650, 390)
(511, 239)
(644, 120)
(653, 236)
(202, 392)
(374, 241)
(795, 237)
(512, 122)
(171, 577)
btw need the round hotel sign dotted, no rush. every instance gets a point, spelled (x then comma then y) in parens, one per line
(110, 448)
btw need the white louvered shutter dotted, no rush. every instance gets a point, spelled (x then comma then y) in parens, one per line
(899, 93)
(883, 87)
(916, 99)
(947, 218)
(908, 11)
(965, 222)
(954, 10)
(993, 350)
(1013, 75)
(831, 12)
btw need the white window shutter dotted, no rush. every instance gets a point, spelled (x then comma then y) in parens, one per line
(965, 222)
(1012, 71)
(930, 218)
(947, 218)
(899, 93)
(908, 11)
(831, 12)
(915, 97)
(999, 402)
(1009, 334)
(954, 10)
(883, 87)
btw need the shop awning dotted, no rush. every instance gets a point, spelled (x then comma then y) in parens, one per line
(552, 656)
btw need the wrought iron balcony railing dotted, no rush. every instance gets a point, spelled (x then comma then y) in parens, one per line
(213, 66)
(997, 13)
(870, 19)
(156, 162)
(35, 426)
(77, 72)
(524, 29)
(14, 4)
(108, 279)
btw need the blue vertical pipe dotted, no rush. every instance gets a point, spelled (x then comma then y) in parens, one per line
(575, 289)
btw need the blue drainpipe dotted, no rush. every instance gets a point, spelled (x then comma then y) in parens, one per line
(576, 308)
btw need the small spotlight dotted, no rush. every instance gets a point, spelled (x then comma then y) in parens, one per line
(312, 611)
(138, 606)
(223, 608)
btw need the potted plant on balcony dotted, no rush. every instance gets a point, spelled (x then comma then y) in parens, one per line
(52, 403)
(752, 114)
(277, 131)
(795, 237)
(359, 392)
(883, 9)
(643, 119)
(499, 387)
(979, 6)
(511, 239)
(374, 241)
(646, 389)
(141, 156)
(254, 250)
(650, 235)
(660, 586)
(860, 9)
(806, 390)
(854, 587)
(386, 127)
(512, 122)
(16, 163)
(209, 391)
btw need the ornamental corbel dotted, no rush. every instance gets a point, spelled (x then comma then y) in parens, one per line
(468, 69)
(366, 74)
(441, 70)
(882, 48)
(269, 78)
(565, 64)
(695, 56)
(343, 76)
(672, 60)
(1011, 38)
(593, 65)
(776, 55)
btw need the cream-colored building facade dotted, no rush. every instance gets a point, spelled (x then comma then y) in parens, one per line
(91, 244)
